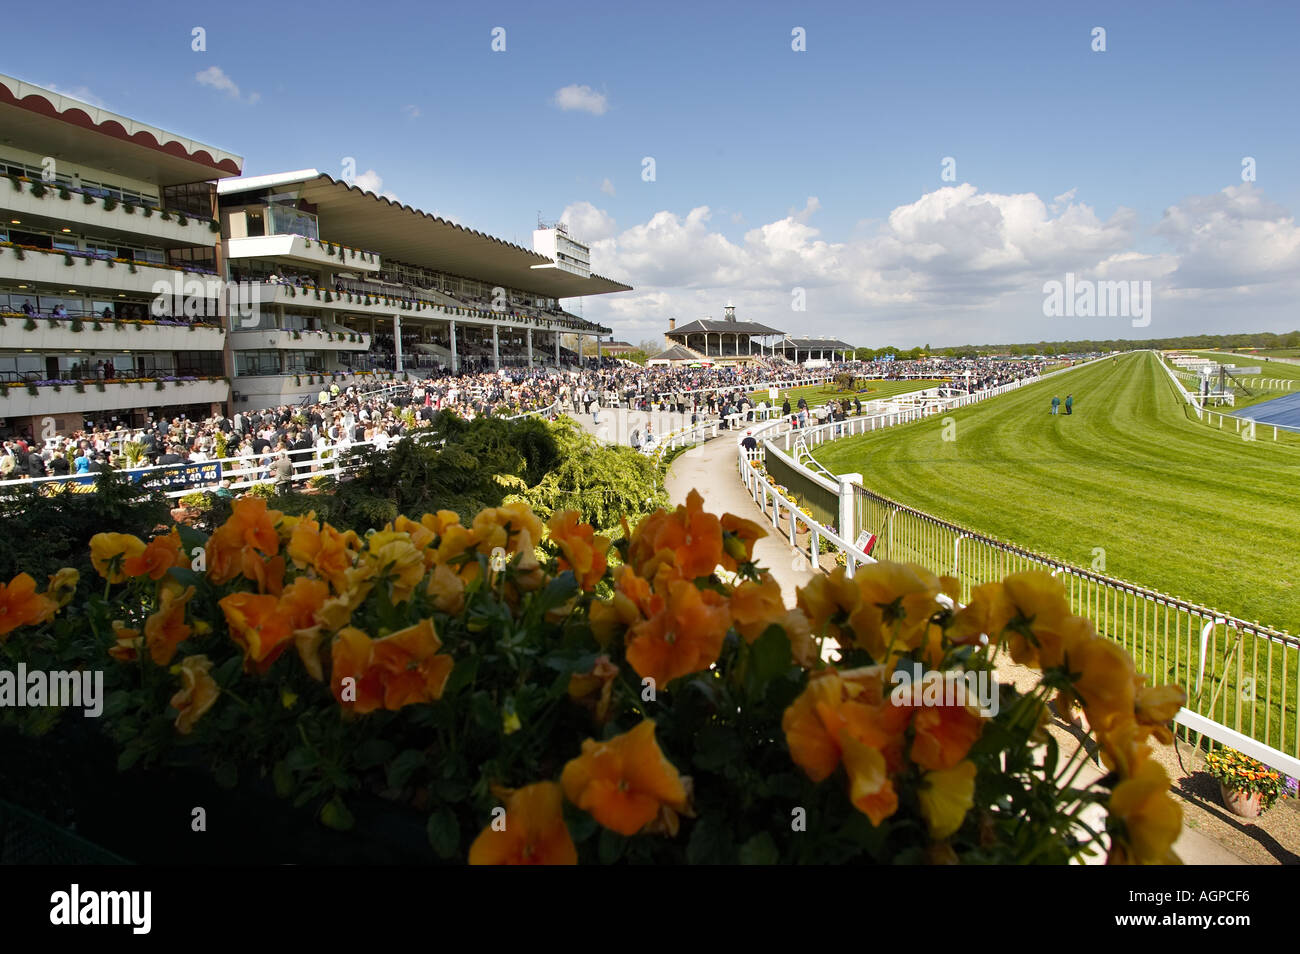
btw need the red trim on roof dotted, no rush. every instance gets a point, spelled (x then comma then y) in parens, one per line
(78, 117)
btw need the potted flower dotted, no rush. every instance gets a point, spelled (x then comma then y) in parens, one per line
(1249, 788)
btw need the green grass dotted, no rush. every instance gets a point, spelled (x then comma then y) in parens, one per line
(819, 394)
(1184, 508)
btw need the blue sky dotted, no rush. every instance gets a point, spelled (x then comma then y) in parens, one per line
(741, 125)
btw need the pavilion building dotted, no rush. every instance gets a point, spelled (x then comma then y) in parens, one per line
(802, 350)
(707, 341)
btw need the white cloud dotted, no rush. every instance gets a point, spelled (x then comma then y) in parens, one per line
(587, 223)
(955, 266)
(216, 78)
(582, 98)
(371, 181)
(1232, 238)
(81, 93)
(607, 187)
(412, 111)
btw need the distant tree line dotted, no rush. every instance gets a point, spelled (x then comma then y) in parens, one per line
(1263, 339)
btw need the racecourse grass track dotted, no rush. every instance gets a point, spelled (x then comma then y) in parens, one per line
(819, 394)
(1178, 506)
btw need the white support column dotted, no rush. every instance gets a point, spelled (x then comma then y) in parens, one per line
(598, 349)
(455, 358)
(847, 527)
(530, 347)
(496, 348)
(557, 349)
(397, 342)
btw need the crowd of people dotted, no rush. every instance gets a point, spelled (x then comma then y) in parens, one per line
(313, 433)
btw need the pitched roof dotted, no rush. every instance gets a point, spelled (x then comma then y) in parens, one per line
(826, 344)
(711, 326)
(675, 353)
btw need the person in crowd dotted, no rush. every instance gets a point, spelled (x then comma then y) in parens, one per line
(1069, 404)
(282, 470)
(1056, 404)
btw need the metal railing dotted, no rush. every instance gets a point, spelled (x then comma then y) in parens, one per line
(1241, 675)
(1242, 678)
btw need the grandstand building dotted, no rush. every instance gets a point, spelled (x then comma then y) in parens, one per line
(343, 284)
(141, 275)
(707, 341)
(98, 212)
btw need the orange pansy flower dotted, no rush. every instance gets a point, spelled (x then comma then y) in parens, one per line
(623, 782)
(165, 629)
(21, 605)
(162, 553)
(197, 695)
(738, 538)
(260, 626)
(389, 673)
(302, 599)
(827, 597)
(944, 734)
(756, 605)
(534, 831)
(686, 636)
(581, 550)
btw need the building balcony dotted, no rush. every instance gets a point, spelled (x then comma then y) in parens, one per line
(385, 306)
(100, 214)
(82, 270)
(19, 333)
(298, 248)
(336, 340)
(64, 397)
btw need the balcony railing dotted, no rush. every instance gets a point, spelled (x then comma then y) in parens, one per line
(20, 252)
(41, 189)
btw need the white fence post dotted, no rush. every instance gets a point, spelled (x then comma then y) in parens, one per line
(847, 517)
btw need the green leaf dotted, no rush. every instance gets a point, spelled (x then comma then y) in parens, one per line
(610, 848)
(716, 746)
(372, 752)
(711, 843)
(444, 833)
(485, 711)
(759, 850)
(228, 672)
(581, 825)
(130, 755)
(300, 759)
(282, 777)
(462, 674)
(227, 775)
(402, 767)
(785, 785)
(449, 789)
(335, 814)
(769, 657)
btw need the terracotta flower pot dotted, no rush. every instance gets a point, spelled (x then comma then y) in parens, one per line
(1242, 804)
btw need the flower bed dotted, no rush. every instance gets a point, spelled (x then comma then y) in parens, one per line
(539, 695)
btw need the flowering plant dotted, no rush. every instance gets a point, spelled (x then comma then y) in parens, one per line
(1239, 772)
(544, 695)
